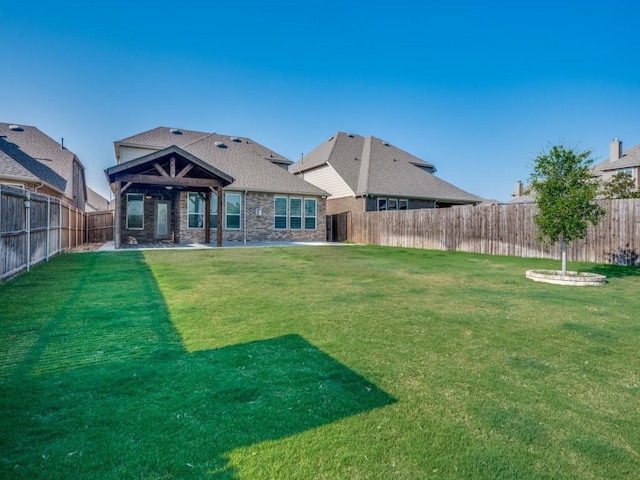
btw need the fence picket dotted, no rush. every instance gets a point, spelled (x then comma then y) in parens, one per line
(500, 230)
(47, 227)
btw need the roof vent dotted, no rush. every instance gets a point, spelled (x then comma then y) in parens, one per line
(220, 144)
(176, 131)
(385, 143)
(236, 139)
(16, 128)
(350, 135)
(330, 139)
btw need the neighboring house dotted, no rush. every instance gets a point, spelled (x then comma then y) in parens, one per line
(181, 185)
(96, 202)
(522, 194)
(620, 162)
(31, 160)
(365, 174)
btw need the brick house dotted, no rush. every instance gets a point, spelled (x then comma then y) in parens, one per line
(620, 161)
(185, 186)
(365, 174)
(31, 160)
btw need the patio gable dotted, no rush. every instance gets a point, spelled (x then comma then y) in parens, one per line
(169, 169)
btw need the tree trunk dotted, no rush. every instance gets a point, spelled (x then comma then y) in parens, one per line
(564, 257)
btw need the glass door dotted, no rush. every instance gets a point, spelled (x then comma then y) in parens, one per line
(162, 219)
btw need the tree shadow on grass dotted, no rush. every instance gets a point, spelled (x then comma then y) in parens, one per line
(615, 271)
(109, 392)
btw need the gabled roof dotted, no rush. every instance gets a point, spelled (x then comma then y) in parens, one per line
(16, 165)
(251, 165)
(141, 163)
(97, 201)
(371, 166)
(629, 158)
(26, 145)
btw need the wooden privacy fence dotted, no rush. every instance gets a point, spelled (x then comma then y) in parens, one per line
(99, 226)
(35, 227)
(500, 230)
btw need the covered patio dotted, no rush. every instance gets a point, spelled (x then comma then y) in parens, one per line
(148, 200)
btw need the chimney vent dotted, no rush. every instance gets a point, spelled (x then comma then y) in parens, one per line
(615, 150)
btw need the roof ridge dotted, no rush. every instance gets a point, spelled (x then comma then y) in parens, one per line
(205, 136)
(365, 166)
(333, 137)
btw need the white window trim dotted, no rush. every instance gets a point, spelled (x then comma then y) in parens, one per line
(127, 212)
(286, 215)
(301, 217)
(315, 213)
(226, 215)
(188, 214)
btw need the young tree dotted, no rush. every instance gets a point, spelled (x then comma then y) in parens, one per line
(621, 185)
(565, 194)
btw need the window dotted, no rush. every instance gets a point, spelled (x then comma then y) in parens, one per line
(195, 211)
(234, 203)
(135, 211)
(295, 213)
(196, 208)
(393, 204)
(310, 213)
(628, 171)
(280, 213)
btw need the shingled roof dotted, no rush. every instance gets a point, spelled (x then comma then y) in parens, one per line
(251, 165)
(371, 166)
(36, 155)
(629, 159)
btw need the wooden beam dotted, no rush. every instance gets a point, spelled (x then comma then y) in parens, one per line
(172, 166)
(207, 217)
(176, 182)
(159, 168)
(123, 189)
(185, 170)
(220, 224)
(117, 216)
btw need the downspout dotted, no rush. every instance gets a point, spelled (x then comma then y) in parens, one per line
(244, 216)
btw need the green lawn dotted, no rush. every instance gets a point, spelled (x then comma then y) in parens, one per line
(342, 362)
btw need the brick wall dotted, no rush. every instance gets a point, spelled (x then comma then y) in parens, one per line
(259, 210)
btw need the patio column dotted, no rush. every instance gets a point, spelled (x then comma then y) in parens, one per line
(116, 216)
(207, 217)
(220, 224)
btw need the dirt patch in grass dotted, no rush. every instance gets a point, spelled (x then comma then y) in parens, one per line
(86, 247)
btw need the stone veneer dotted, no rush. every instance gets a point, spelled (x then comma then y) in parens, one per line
(259, 227)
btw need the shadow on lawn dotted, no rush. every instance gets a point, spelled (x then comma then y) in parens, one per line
(108, 391)
(615, 271)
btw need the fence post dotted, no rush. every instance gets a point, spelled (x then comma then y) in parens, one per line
(48, 227)
(60, 225)
(27, 209)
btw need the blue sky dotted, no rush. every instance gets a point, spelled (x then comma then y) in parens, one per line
(476, 88)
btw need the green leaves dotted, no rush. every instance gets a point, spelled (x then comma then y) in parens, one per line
(621, 185)
(565, 192)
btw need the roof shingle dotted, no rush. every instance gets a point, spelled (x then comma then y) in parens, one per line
(41, 155)
(371, 166)
(252, 166)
